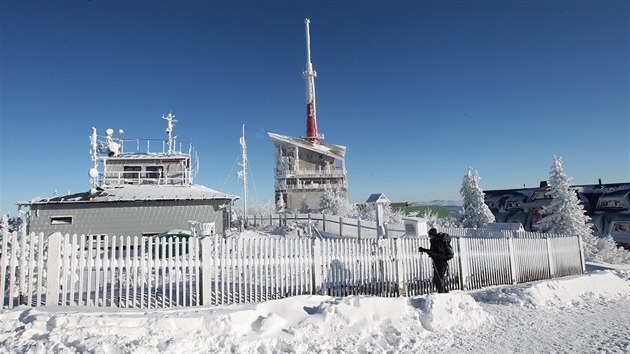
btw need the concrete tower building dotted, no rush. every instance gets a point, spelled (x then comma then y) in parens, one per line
(305, 166)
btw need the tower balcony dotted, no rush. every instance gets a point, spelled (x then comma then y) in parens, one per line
(309, 174)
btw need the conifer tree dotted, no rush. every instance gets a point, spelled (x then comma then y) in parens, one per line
(333, 202)
(566, 216)
(280, 204)
(475, 213)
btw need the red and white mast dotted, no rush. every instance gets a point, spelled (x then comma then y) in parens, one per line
(309, 75)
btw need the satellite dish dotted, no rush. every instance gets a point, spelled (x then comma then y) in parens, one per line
(120, 131)
(109, 131)
(93, 173)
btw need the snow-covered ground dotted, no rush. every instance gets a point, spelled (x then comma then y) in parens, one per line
(577, 314)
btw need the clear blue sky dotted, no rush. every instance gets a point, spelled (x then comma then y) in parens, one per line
(418, 91)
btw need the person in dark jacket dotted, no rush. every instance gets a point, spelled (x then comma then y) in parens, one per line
(439, 254)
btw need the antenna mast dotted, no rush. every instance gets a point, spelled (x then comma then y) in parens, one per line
(170, 118)
(243, 174)
(309, 75)
(93, 172)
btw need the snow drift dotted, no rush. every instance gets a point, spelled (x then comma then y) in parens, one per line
(304, 323)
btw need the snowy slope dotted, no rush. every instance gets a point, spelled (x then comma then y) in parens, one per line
(579, 314)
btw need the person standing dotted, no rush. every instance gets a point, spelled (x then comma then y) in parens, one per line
(440, 252)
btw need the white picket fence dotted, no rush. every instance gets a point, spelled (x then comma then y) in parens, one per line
(141, 272)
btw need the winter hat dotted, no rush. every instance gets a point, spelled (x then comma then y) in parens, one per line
(433, 232)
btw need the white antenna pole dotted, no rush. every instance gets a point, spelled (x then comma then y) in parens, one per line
(93, 146)
(309, 75)
(243, 173)
(170, 118)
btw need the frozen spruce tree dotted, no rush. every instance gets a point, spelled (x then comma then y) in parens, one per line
(281, 206)
(566, 216)
(333, 202)
(476, 213)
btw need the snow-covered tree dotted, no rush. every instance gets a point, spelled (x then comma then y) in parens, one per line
(476, 213)
(281, 206)
(260, 207)
(565, 215)
(333, 202)
(434, 220)
(304, 207)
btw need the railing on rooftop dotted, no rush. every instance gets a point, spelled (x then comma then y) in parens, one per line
(144, 146)
(139, 178)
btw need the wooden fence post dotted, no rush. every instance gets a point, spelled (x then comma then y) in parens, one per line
(324, 222)
(512, 259)
(316, 252)
(463, 265)
(400, 274)
(340, 226)
(581, 247)
(4, 262)
(206, 269)
(359, 229)
(550, 258)
(52, 269)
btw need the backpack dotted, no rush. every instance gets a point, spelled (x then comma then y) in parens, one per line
(446, 243)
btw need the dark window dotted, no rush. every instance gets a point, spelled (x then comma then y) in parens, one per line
(61, 220)
(154, 172)
(132, 171)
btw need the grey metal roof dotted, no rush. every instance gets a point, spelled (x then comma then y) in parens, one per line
(127, 193)
(336, 151)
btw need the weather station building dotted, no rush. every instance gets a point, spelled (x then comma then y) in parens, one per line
(306, 167)
(140, 187)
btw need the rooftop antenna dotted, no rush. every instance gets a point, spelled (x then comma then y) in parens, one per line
(243, 174)
(170, 118)
(93, 172)
(309, 75)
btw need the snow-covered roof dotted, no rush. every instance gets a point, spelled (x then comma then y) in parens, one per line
(620, 194)
(538, 203)
(332, 150)
(377, 198)
(518, 197)
(126, 193)
(493, 197)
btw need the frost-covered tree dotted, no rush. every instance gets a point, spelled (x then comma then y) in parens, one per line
(304, 207)
(260, 207)
(476, 213)
(281, 206)
(564, 215)
(333, 202)
(434, 220)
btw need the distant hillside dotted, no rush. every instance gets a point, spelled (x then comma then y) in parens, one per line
(442, 203)
(421, 209)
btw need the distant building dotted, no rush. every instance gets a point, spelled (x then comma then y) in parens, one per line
(608, 205)
(138, 192)
(305, 167)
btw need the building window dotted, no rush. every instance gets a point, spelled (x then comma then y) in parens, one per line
(132, 172)
(61, 220)
(154, 172)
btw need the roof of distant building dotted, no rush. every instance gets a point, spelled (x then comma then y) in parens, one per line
(332, 150)
(127, 193)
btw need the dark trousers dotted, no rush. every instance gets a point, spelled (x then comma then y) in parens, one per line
(439, 273)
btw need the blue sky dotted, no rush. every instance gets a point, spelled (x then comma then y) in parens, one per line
(418, 91)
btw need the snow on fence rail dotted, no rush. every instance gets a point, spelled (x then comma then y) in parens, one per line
(345, 227)
(143, 272)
